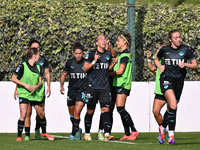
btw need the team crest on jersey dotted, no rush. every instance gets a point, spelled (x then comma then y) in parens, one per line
(41, 63)
(87, 55)
(181, 53)
(107, 57)
(18, 68)
(72, 67)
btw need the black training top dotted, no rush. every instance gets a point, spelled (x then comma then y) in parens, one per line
(19, 72)
(172, 57)
(98, 74)
(124, 60)
(77, 77)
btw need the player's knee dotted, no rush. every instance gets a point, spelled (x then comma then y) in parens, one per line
(90, 111)
(173, 106)
(28, 115)
(22, 117)
(77, 115)
(104, 109)
(156, 112)
(41, 115)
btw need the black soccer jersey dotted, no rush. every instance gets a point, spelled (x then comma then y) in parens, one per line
(172, 57)
(98, 74)
(77, 77)
(124, 60)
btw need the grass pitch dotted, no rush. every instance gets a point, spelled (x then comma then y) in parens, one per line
(146, 141)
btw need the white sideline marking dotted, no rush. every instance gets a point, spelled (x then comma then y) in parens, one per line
(66, 137)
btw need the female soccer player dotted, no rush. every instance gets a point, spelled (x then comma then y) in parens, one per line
(28, 77)
(122, 77)
(100, 135)
(175, 58)
(45, 68)
(97, 65)
(77, 84)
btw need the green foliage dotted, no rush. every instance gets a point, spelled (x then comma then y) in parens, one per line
(160, 19)
(58, 24)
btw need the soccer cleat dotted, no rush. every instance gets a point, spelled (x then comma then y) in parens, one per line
(42, 134)
(27, 138)
(125, 137)
(19, 138)
(87, 137)
(100, 136)
(37, 134)
(49, 137)
(171, 140)
(78, 134)
(161, 137)
(108, 138)
(133, 135)
(71, 138)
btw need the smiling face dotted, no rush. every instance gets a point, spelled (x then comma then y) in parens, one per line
(175, 40)
(78, 53)
(101, 41)
(121, 42)
(37, 56)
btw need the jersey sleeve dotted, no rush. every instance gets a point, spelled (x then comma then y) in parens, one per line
(19, 71)
(66, 68)
(46, 64)
(41, 71)
(89, 57)
(124, 60)
(160, 53)
(190, 55)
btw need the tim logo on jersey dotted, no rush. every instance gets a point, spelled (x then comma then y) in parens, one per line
(173, 61)
(78, 75)
(101, 66)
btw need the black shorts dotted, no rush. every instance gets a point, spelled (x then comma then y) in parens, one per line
(113, 93)
(121, 90)
(32, 103)
(71, 99)
(103, 96)
(160, 97)
(176, 84)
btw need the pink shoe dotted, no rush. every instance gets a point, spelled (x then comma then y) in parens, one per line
(125, 137)
(42, 134)
(49, 137)
(19, 138)
(133, 135)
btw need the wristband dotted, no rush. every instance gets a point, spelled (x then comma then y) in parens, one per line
(93, 62)
(148, 60)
